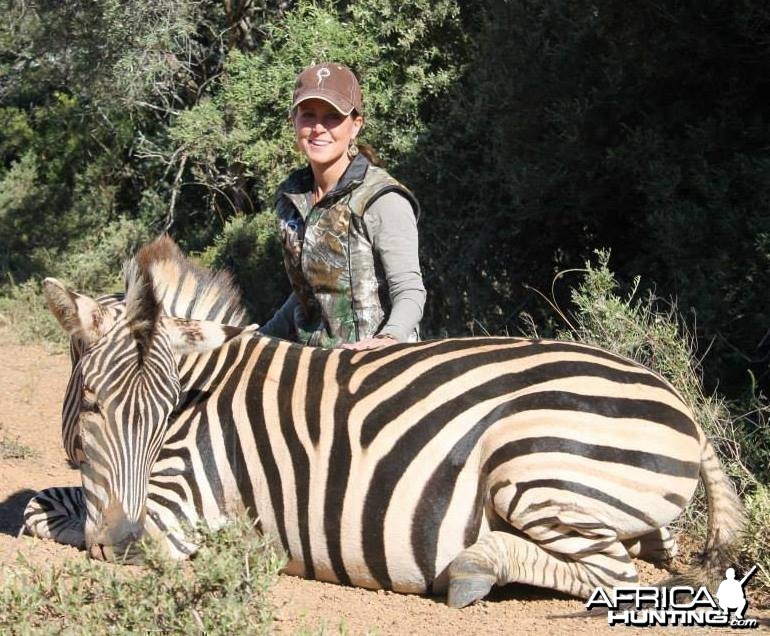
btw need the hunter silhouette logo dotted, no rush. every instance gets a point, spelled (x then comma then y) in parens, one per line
(679, 605)
(731, 595)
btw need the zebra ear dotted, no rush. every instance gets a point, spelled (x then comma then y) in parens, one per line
(80, 316)
(200, 336)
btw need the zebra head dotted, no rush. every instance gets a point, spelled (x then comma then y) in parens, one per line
(128, 387)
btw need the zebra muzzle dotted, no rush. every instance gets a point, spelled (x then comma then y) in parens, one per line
(125, 553)
(117, 539)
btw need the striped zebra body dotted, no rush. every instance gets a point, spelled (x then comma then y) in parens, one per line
(452, 464)
(376, 469)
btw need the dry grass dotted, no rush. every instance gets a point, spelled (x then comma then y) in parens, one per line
(222, 590)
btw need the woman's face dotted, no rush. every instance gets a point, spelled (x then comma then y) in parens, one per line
(323, 133)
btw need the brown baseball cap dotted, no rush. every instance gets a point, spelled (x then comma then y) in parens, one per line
(333, 83)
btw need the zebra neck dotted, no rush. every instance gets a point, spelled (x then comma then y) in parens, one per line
(216, 423)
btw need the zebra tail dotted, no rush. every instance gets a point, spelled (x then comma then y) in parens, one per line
(726, 521)
(726, 518)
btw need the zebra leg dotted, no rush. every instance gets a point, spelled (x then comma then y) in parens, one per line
(658, 546)
(577, 559)
(57, 514)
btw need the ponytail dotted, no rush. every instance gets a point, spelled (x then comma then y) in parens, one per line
(368, 151)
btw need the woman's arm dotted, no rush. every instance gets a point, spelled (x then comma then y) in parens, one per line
(392, 228)
(282, 324)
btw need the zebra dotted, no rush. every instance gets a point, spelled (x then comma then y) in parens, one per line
(445, 466)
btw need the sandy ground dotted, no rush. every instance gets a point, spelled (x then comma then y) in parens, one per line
(33, 383)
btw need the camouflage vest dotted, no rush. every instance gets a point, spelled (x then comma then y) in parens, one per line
(329, 258)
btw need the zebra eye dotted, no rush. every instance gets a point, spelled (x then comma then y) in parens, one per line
(87, 406)
(88, 402)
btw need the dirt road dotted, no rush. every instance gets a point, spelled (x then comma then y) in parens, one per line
(33, 382)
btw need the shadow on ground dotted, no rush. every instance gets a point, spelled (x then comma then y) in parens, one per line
(12, 511)
(511, 592)
(518, 591)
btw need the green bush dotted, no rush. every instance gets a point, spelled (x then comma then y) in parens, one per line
(755, 548)
(23, 310)
(250, 249)
(222, 590)
(578, 124)
(94, 264)
(19, 191)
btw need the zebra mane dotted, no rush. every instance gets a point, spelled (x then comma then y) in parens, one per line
(182, 288)
(143, 310)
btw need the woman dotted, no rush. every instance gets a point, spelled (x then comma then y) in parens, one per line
(349, 229)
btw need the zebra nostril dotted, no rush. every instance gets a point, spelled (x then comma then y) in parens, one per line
(122, 535)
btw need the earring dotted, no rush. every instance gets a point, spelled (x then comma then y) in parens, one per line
(352, 149)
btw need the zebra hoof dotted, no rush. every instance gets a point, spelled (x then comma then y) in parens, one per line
(470, 579)
(464, 590)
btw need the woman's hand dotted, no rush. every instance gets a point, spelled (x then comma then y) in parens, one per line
(371, 343)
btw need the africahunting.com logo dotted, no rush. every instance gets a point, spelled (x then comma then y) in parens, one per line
(680, 605)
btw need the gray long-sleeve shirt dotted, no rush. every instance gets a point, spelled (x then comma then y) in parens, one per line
(392, 229)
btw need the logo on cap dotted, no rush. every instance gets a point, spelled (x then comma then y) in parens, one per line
(322, 73)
